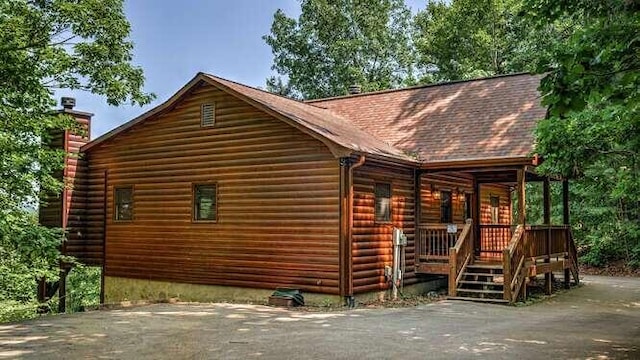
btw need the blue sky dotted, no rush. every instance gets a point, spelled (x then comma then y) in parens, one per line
(176, 39)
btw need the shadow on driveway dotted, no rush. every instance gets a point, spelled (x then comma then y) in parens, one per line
(600, 320)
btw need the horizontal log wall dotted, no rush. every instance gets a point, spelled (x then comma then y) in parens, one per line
(76, 172)
(67, 210)
(459, 184)
(50, 209)
(372, 241)
(278, 200)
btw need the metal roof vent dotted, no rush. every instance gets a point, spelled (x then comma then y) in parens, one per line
(208, 115)
(68, 102)
(355, 89)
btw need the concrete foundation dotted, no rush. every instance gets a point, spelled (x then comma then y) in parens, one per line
(118, 290)
(121, 290)
(422, 288)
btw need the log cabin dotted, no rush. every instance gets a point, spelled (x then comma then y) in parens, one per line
(227, 192)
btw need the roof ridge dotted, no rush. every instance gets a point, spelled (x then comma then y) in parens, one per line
(253, 87)
(422, 86)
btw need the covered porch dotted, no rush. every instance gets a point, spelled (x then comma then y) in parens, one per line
(493, 254)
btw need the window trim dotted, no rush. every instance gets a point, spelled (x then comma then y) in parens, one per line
(450, 212)
(115, 202)
(194, 186)
(375, 203)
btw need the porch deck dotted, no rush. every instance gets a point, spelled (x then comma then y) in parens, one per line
(499, 263)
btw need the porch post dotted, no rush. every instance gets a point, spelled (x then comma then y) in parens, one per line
(565, 201)
(547, 201)
(548, 278)
(565, 221)
(417, 212)
(521, 196)
(475, 215)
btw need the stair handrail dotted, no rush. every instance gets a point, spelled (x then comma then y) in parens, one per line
(513, 264)
(573, 256)
(460, 255)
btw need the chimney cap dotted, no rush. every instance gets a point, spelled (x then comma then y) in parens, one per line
(68, 102)
(355, 89)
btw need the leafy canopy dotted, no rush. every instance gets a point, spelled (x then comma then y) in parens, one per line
(334, 44)
(47, 45)
(465, 39)
(592, 132)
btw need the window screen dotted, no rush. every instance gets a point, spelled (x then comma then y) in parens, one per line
(123, 203)
(445, 207)
(383, 201)
(205, 202)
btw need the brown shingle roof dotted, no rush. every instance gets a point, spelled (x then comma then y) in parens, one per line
(468, 120)
(324, 123)
(481, 119)
(340, 135)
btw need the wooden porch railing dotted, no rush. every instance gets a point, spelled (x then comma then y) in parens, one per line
(514, 267)
(532, 243)
(494, 238)
(460, 255)
(434, 241)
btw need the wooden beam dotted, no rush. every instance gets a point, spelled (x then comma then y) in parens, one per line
(548, 280)
(417, 198)
(521, 197)
(546, 201)
(565, 202)
(475, 215)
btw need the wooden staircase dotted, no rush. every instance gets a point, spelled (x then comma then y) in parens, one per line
(483, 282)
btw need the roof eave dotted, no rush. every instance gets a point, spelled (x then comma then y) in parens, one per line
(480, 163)
(165, 106)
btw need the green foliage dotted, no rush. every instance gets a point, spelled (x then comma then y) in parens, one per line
(465, 39)
(47, 45)
(12, 311)
(592, 132)
(334, 44)
(83, 288)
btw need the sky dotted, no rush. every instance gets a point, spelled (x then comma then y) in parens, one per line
(174, 40)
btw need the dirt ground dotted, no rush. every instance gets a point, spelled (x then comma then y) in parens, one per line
(600, 320)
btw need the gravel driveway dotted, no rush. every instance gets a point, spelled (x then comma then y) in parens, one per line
(600, 320)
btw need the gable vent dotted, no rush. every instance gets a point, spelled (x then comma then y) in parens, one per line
(208, 115)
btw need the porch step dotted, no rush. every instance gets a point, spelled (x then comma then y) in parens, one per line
(473, 282)
(485, 266)
(480, 274)
(479, 291)
(476, 299)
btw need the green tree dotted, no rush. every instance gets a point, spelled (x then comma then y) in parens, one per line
(465, 39)
(47, 45)
(337, 43)
(592, 132)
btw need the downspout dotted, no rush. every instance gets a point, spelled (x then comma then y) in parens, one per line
(348, 241)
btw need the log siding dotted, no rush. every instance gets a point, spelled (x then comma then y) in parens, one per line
(278, 199)
(372, 247)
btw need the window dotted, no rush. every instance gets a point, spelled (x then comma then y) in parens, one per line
(383, 202)
(445, 207)
(205, 202)
(123, 203)
(208, 115)
(495, 209)
(468, 200)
